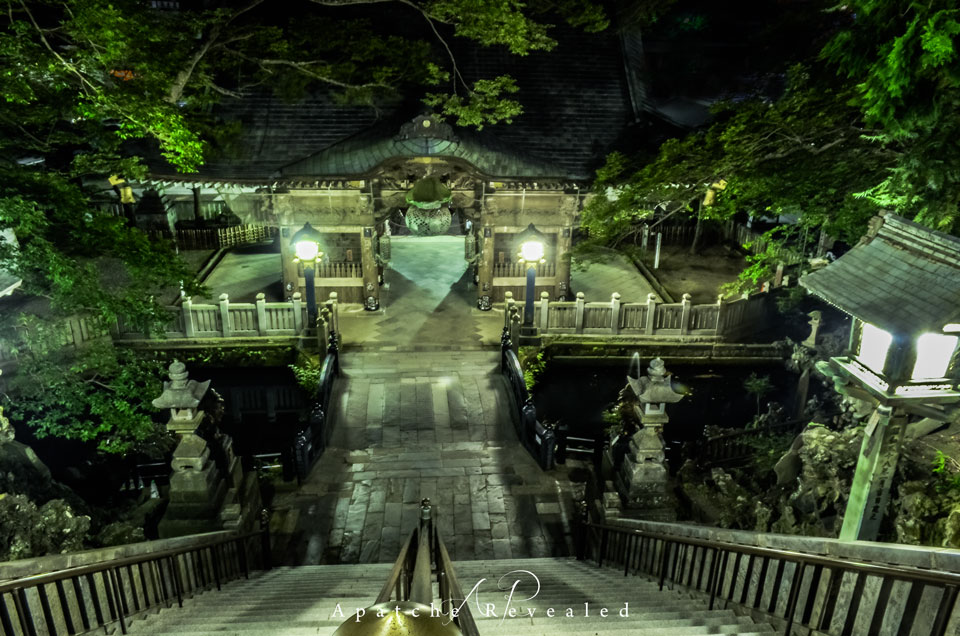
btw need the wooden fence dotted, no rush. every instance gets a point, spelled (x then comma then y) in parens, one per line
(519, 270)
(228, 320)
(71, 333)
(743, 235)
(219, 237)
(650, 318)
(191, 321)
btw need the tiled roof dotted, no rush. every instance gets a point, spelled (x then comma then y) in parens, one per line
(575, 101)
(359, 156)
(904, 279)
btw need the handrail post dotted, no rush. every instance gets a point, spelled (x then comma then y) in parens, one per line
(583, 528)
(297, 312)
(604, 533)
(226, 329)
(579, 315)
(265, 554)
(115, 583)
(187, 308)
(667, 547)
(615, 313)
(544, 309)
(794, 595)
(261, 313)
(422, 589)
(651, 314)
(686, 303)
(241, 546)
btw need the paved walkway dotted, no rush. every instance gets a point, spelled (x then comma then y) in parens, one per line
(244, 273)
(617, 274)
(423, 424)
(428, 300)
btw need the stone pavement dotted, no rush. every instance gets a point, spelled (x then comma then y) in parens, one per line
(424, 424)
(428, 299)
(243, 273)
(617, 274)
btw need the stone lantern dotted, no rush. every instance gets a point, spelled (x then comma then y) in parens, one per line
(901, 287)
(182, 396)
(197, 489)
(643, 478)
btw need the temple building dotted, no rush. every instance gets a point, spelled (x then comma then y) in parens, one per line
(351, 174)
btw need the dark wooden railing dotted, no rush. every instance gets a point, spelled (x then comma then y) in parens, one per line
(738, 447)
(411, 578)
(103, 595)
(792, 589)
(536, 437)
(310, 441)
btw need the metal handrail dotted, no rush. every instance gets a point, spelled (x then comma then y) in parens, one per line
(394, 581)
(410, 578)
(683, 561)
(126, 587)
(450, 590)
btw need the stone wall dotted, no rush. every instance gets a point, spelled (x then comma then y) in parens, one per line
(52, 563)
(935, 559)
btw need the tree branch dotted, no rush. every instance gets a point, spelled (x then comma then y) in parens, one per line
(303, 67)
(183, 77)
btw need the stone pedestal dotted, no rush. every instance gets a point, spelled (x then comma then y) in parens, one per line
(643, 478)
(197, 490)
(870, 490)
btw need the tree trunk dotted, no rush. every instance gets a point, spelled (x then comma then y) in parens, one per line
(697, 231)
(197, 213)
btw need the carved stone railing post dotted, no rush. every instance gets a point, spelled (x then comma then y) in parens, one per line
(544, 308)
(578, 320)
(262, 314)
(515, 330)
(508, 303)
(334, 316)
(225, 327)
(685, 310)
(720, 327)
(651, 313)
(614, 313)
(189, 329)
(297, 312)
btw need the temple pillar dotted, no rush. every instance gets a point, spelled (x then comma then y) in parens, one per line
(371, 278)
(485, 269)
(562, 259)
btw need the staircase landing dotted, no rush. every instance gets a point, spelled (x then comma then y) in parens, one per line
(420, 424)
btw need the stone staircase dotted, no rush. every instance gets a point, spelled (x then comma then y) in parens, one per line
(312, 600)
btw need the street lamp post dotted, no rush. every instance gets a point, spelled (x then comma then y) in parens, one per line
(530, 250)
(306, 247)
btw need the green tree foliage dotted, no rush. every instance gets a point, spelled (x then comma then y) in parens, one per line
(866, 122)
(86, 84)
(97, 394)
(801, 154)
(903, 60)
(758, 386)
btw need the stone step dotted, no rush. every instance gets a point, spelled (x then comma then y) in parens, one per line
(349, 605)
(626, 627)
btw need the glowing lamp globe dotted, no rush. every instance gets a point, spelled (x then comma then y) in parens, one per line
(306, 244)
(306, 250)
(531, 245)
(531, 251)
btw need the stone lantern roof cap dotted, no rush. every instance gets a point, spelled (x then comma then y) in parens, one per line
(901, 277)
(179, 392)
(655, 387)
